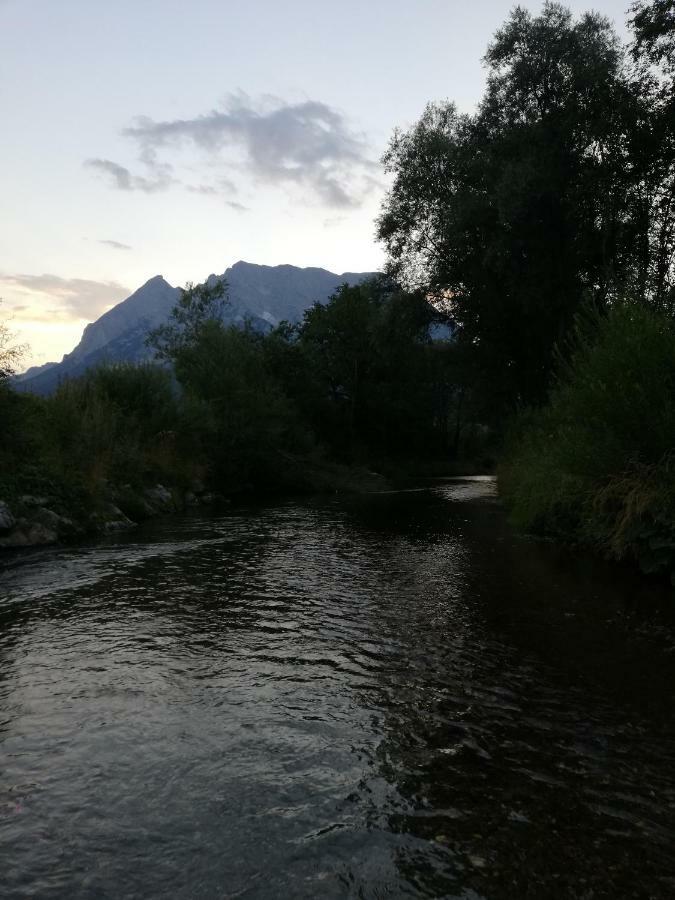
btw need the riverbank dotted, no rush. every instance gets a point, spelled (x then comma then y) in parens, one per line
(595, 466)
(32, 521)
(61, 514)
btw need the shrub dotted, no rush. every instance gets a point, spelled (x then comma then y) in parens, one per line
(114, 423)
(595, 464)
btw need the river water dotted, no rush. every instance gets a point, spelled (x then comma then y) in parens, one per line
(388, 696)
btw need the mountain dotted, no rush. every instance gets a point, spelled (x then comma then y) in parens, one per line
(117, 336)
(272, 294)
(265, 295)
(33, 372)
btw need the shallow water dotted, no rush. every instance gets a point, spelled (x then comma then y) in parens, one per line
(384, 697)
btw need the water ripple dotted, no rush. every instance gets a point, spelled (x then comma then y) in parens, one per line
(388, 697)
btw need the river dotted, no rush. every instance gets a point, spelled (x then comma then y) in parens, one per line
(383, 696)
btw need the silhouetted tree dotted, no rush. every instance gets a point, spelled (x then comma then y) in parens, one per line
(516, 214)
(197, 305)
(11, 353)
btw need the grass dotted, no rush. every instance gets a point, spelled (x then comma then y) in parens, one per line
(596, 465)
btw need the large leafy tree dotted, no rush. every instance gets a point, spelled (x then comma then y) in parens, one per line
(517, 213)
(11, 353)
(653, 52)
(15, 409)
(197, 306)
(374, 381)
(232, 404)
(653, 23)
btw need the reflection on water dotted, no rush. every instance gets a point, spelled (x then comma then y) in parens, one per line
(383, 697)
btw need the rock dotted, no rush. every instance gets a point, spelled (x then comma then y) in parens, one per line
(211, 498)
(111, 519)
(29, 534)
(116, 520)
(133, 504)
(62, 525)
(30, 500)
(191, 499)
(7, 520)
(518, 817)
(40, 526)
(159, 496)
(113, 525)
(198, 486)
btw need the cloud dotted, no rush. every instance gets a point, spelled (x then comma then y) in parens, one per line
(121, 178)
(307, 146)
(237, 207)
(334, 221)
(226, 187)
(222, 186)
(208, 190)
(74, 298)
(116, 245)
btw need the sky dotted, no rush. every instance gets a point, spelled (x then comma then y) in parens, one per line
(146, 137)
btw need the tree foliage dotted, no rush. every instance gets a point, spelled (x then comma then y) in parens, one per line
(558, 190)
(11, 353)
(198, 305)
(653, 54)
(596, 464)
(653, 24)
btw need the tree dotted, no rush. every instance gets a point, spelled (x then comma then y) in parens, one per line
(197, 305)
(336, 338)
(374, 385)
(11, 353)
(234, 407)
(653, 23)
(653, 52)
(238, 408)
(16, 411)
(516, 214)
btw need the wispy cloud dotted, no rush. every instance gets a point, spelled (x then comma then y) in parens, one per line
(207, 190)
(334, 221)
(116, 245)
(237, 207)
(307, 146)
(122, 179)
(70, 298)
(214, 189)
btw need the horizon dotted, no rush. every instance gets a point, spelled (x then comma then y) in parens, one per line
(164, 151)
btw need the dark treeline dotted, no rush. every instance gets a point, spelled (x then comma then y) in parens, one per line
(558, 192)
(358, 383)
(360, 380)
(540, 230)
(546, 224)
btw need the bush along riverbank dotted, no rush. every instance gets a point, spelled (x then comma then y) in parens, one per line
(223, 412)
(61, 517)
(359, 385)
(94, 458)
(596, 465)
(557, 195)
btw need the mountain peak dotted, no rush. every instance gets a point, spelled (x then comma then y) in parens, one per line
(155, 281)
(263, 295)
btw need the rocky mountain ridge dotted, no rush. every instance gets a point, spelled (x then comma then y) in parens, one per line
(264, 295)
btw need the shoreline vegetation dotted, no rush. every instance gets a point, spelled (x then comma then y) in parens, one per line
(536, 235)
(227, 411)
(595, 466)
